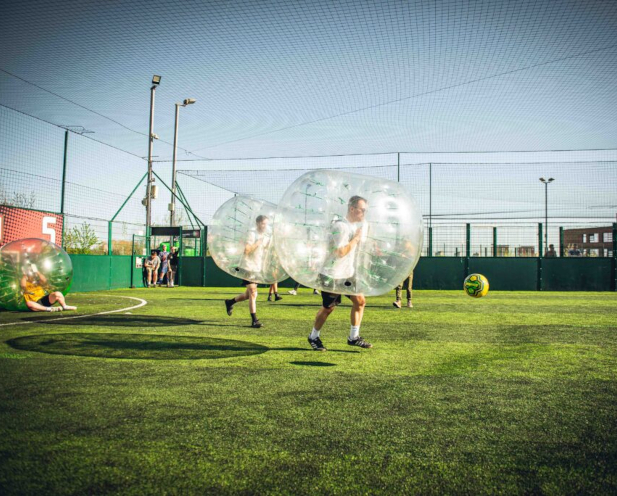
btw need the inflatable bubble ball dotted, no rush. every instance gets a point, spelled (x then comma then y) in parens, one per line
(240, 240)
(29, 265)
(347, 233)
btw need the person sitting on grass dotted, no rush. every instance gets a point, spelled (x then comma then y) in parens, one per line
(37, 300)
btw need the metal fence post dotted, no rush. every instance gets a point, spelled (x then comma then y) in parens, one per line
(540, 256)
(494, 241)
(109, 237)
(562, 248)
(64, 161)
(614, 256)
(180, 259)
(467, 248)
(204, 249)
(430, 241)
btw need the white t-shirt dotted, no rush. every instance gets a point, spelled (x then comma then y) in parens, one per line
(253, 262)
(341, 233)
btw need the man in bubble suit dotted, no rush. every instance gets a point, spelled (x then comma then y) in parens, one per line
(339, 266)
(33, 285)
(254, 251)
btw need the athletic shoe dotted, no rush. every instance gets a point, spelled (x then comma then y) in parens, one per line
(316, 344)
(359, 341)
(230, 306)
(69, 307)
(269, 297)
(293, 292)
(315, 291)
(257, 324)
(397, 304)
(54, 309)
(277, 297)
(409, 304)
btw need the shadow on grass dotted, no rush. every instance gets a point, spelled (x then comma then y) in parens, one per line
(137, 346)
(314, 364)
(124, 320)
(145, 346)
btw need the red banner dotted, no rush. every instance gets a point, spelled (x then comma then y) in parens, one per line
(18, 223)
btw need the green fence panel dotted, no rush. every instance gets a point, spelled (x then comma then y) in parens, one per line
(507, 274)
(120, 276)
(90, 272)
(97, 273)
(138, 276)
(100, 272)
(577, 274)
(216, 277)
(192, 270)
(439, 273)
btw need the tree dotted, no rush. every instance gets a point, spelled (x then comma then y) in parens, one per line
(21, 200)
(80, 239)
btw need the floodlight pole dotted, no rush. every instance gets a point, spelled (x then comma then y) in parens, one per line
(149, 181)
(156, 80)
(172, 206)
(546, 182)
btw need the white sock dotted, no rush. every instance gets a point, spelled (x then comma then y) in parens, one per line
(354, 332)
(69, 307)
(314, 334)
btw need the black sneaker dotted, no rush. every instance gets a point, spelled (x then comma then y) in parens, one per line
(269, 297)
(277, 298)
(359, 341)
(316, 344)
(230, 306)
(257, 324)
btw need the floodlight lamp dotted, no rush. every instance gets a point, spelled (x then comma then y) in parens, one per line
(189, 101)
(542, 179)
(156, 79)
(550, 179)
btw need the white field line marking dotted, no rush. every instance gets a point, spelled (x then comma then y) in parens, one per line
(24, 322)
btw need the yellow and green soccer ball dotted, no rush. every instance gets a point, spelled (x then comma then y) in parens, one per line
(476, 285)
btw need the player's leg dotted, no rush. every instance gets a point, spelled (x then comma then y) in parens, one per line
(329, 303)
(358, 303)
(399, 291)
(409, 290)
(236, 299)
(277, 296)
(57, 296)
(43, 305)
(251, 290)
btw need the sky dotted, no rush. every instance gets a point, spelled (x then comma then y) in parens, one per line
(306, 78)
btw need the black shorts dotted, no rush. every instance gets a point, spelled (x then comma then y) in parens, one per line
(45, 301)
(330, 300)
(246, 283)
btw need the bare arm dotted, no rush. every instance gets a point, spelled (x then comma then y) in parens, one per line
(344, 250)
(248, 249)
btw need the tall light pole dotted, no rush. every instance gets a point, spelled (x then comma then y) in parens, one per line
(172, 205)
(156, 80)
(546, 183)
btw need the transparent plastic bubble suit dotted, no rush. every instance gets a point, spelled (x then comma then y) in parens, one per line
(315, 223)
(28, 263)
(234, 231)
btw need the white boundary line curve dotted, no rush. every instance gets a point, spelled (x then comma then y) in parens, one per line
(141, 304)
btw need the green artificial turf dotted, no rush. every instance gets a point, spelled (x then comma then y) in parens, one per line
(513, 393)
